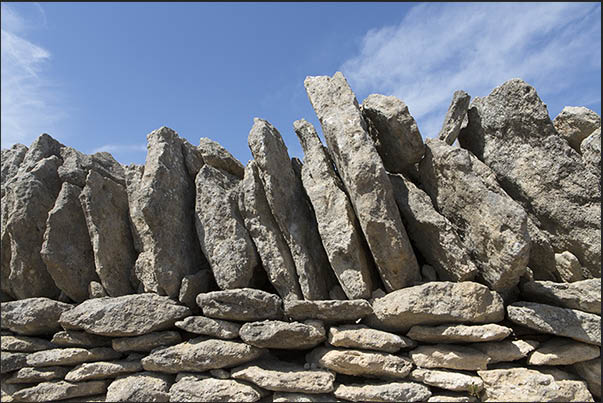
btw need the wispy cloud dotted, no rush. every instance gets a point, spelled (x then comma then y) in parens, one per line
(116, 148)
(440, 48)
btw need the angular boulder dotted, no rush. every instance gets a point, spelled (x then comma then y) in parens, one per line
(33, 316)
(456, 114)
(459, 333)
(199, 388)
(283, 335)
(245, 304)
(575, 123)
(218, 157)
(77, 165)
(583, 295)
(328, 310)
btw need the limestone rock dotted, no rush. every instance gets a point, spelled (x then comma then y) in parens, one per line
(33, 316)
(590, 371)
(449, 356)
(43, 147)
(11, 160)
(24, 344)
(128, 315)
(328, 310)
(562, 351)
(459, 333)
(199, 388)
(384, 392)
(303, 397)
(365, 338)
(218, 157)
(59, 390)
(10, 361)
(76, 166)
(568, 268)
(450, 380)
(37, 375)
(102, 370)
(575, 123)
(583, 295)
(211, 327)
(73, 338)
(591, 152)
(283, 335)
(140, 387)
(508, 350)
(457, 112)
(147, 342)
(452, 398)
(96, 290)
(245, 304)
(193, 285)
(70, 356)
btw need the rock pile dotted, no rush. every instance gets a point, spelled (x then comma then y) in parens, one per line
(381, 268)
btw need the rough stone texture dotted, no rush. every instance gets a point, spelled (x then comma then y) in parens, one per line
(360, 363)
(267, 237)
(575, 123)
(337, 223)
(37, 375)
(11, 160)
(562, 351)
(246, 304)
(102, 370)
(449, 356)
(577, 325)
(77, 165)
(438, 303)
(494, 227)
(302, 397)
(147, 342)
(198, 355)
(449, 380)
(537, 168)
(33, 316)
(291, 210)
(591, 152)
(96, 290)
(141, 387)
(431, 233)
(24, 344)
(210, 327)
(364, 177)
(59, 390)
(459, 333)
(285, 377)
(128, 315)
(590, 371)
(568, 268)
(384, 392)
(12, 361)
(199, 388)
(283, 335)
(506, 350)
(218, 157)
(73, 338)
(583, 295)
(451, 398)
(457, 112)
(70, 356)
(221, 230)
(365, 338)
(193, 285)
(328, 310)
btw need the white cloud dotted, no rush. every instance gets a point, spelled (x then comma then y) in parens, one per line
(442, 47)
(118, 148)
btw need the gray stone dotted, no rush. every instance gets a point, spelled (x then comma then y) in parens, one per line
(37, 375)
(218, 157)
(246, 304)
(303, 397)
(77, 165)
(193, 285)
(199, 388)
(590, 371)
(7, 390)
(59, 390)
(449, 356)
(70, 356)
(328, 310)
(141, 387)
(568, 268)
(43, 147)
(73, 338)
(562, 351)
(507, 350)
(591, 152)
(10, 361)
(102, 370)
(365, 179)
(11, 160)
(128, 315)
(96, 290)
(33, 316)
(575, 123)
(452, 398)
(147, 342)
(383, 392)
(456, 114)
(210, 327)
(583, 295)
(459, 333)
(283, 335)
(449, 380)
(24, 344)
(365, 338)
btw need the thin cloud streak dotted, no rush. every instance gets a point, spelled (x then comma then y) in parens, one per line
(119, 148)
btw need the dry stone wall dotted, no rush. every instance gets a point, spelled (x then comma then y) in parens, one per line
(381, 268)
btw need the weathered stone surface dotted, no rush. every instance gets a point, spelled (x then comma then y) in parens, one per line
(96, 290)
(303, 397)
(70, 356)
(128, 315)
(537, 168)
(267, 237)
(590, 371)
(494, 226)
(459, 333)
(568, 268)
(365, 338)
(147, 342)
(583, 295)
(575, 123)
(364, 177)
(59, 390)
(591, 152)
(457, 112)
(432, 233)
(283, 335)
(506, 350)
(577, 325)
(7, 390)
(337, 223)
(384, 392)
(449, 380)
(193, 285)
(37, 375)
(102, 370)
(449, 356)
(43, 147)
(33, 316)
(218, 157)
(285, 377)
(11, 160)
(74, 338)
(438, 303)
(246, 304)
(328, 310)
(291, 210)
(10, 361)
(210, 327)
(24, 344)
(105, 205)
(221, 230)
(452, 398)
(562, 351)
(77, 165)
(200, 354)
(199, 388)
(141, 387)
(360, 363)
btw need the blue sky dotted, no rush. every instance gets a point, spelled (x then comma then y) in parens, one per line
(100, 76)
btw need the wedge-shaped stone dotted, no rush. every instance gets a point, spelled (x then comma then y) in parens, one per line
(210, 327)
(141, 387)
(193, 285)
(77, 165)
(508, 350)
(591, 152)
(383, 392)
(459, 333)
(285, 397)
(25, 344)
(360, 363)
(590, 371)
(449, 356)
(575, 123)
(328, 310)
(577, 325)
(283, 335)
(562, 351)
(365, 338)
(59, 390)
(583, 295)
(199, 355)
(33, 316)
(147, 342)
(456, 114)
(337, 223)
(437, 303)
(199, 388)
(218, 157)
(10, 361)
(128, 315)
(102, 370)
(365, 179)
(285, 377)
(449, 380)
(245, 304)
(568, 268)
(74, 338)
(70, 356)
(37, 375)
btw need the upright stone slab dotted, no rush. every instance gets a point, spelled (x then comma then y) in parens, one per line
(453, 121)
(590, 148)
(337, 223)
(76, 166)
(575, 123)
(365, 179)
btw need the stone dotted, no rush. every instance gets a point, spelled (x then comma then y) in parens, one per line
(105, 206)
(199, 355)
(147, 342)
(59, 390)
(432, 233)
(283, 335)
(438, 302)
(291, 210)
(568, 268)
(73, 338)
(77, 165)
(493, 225)
(33, 316)
(193, 285)
(93, 398)
(42, 147)
(562, 351)
(383, 392)
(140, 387)
(96, 290)
(449, 356)
(459, 333)
(303, 397)
(218, 157)
(10, 361)
(337, 223)
(591, 152)
(508, 350)
(590, 371)
(198, 388)
(457, 112)
(328, 310)
(102, 370)
(210, 327)
(245, 304)
(364, 338)
(449, 380)
(452, 398)
(37, 375)
(285, 377)
(368, 364)
(70, 356)
(583, 295)
(221, 230)
(128, 315)
(11, 160)
(577, 325)
(575, 123)
(269, 241)
(24, 344)
(365, 179)
(537, 168)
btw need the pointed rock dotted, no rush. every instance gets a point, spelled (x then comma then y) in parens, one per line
(33, 316)
(283, 335)
(583, 295)
(77, 165)
(43, 147)
(457, 112)
(246, 304)
(575, 123)
(218, 157)
(199, 388)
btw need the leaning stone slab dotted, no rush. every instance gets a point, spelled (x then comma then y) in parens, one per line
(285, 397)
(283, 335)
(74, 338)
(221, 329)
(577, 325)
(568, 268)
(24, 344)
(128, 315)
(449, 380)
(199, 388)
(147, 342)
(141, 387)
(449, 356)
(70, 356)
(590, 371)
(591, 152)
(193, 285)
(583, 295)
(10, 361)
(245, 304)
(506, 350)
(383, 392)
(77, 165)
(364, 338)
(102, 370)
(459, 333)
(218, 157)
(575, 123)
(457, 112)
(33, 316)
(37, 375)
(562, 351)
(59, 390)
(328, 310)
(364, 177)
